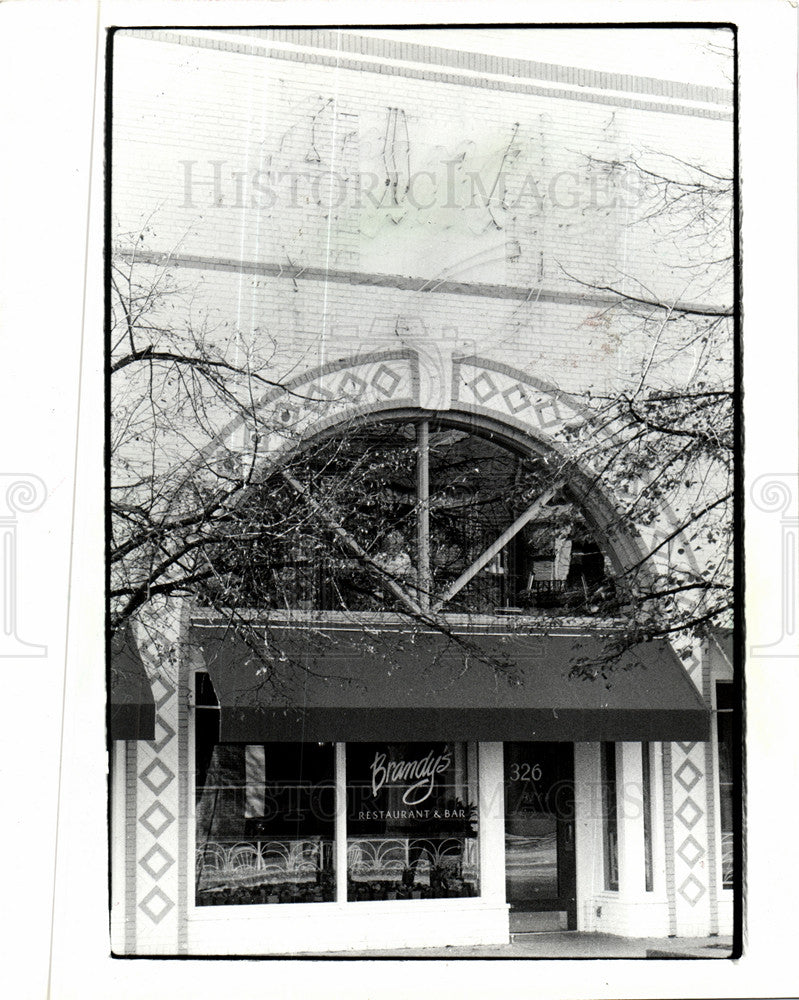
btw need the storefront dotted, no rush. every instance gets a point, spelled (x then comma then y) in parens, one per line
(441, 806)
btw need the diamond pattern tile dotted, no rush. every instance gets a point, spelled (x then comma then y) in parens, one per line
(162, 691)
(156, 819)
(689, 813)
(547, 414)
(157, 776)
(688, 774)
(690, 850)
(686, 747)
(483, 387)
(166, 732)
(156, 861)
(692, 890)
(351, 386)
(316, 397)
(516, 399)
(156, 904)
(386, 380)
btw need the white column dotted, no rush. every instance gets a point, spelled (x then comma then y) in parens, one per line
(340, 823)
(118, 794)
(587, 830)
(629, 792)
(492, 822)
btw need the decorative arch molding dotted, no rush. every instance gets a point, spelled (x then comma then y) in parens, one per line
(527, 413)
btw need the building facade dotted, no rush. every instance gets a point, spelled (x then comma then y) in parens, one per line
(410, 262)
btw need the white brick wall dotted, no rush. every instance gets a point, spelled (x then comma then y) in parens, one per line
(260, 120)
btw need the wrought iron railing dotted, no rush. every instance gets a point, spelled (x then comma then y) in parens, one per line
(301, 870)
(255, 871)
(727, 855)
(411, 867)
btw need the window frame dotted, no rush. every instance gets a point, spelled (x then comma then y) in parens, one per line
(340, 839)
(493, 562)
(610, 816)
(728, 684)
(648, 809)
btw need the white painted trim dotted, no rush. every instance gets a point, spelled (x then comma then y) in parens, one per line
(360, 61)
(270, 912)
(118, 874)
(340, 823)
(630, 817)
(587, 831)
(630, 910)
(324, 927)
(491, 823)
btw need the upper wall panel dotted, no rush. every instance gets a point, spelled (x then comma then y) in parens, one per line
(281, 156)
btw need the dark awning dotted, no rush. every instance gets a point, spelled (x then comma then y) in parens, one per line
(131, 705)
(342, 683)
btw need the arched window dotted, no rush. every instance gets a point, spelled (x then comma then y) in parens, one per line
(407, 513)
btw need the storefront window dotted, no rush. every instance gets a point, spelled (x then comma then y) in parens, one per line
(610, 823)
(411, 821)
(264, 817)
(724, 723)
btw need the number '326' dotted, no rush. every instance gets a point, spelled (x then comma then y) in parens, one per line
(525, 772)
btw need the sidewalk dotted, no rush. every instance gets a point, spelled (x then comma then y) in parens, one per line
(565, 944)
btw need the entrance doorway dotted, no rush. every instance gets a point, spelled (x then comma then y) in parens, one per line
(540, 870)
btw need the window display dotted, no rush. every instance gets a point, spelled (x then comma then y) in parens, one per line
(264, 818)
(411, 821)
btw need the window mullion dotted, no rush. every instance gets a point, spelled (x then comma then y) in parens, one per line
(423, 512)
(497, 546)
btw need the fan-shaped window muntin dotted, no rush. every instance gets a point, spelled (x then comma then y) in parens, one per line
(357, 519)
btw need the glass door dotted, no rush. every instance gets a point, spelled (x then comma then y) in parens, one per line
(540, 872)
